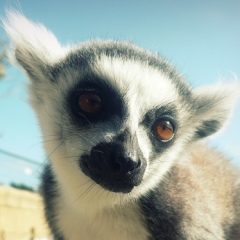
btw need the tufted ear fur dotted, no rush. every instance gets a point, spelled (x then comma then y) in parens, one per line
(34, 47)
(213, 107)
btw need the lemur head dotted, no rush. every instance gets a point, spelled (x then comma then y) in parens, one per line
(114, 117)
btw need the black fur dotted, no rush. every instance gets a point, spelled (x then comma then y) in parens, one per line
(49, 191)
(207, 128)
(113, 106)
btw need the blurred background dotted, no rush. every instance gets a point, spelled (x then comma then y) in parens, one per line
(201, 38)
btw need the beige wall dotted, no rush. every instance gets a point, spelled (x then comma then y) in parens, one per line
(21, 215)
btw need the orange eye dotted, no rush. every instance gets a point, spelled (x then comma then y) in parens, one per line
(90, 102)
(164, 130)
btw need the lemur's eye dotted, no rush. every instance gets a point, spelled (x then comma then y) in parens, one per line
(90, 102)
(164, 130)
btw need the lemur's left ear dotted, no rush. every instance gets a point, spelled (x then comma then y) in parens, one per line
(34, 47)
(213, 107)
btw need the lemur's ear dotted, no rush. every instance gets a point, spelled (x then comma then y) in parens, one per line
(34, 47)
(213, 107)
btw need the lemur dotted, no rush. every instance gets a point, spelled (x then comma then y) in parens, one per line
(125, 135)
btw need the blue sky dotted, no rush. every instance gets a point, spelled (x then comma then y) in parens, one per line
(201, 38)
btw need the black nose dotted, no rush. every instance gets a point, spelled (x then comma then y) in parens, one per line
(110, 166)
(113, 158)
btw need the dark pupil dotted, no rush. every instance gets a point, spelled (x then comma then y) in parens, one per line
(90, 102)
(164, 126)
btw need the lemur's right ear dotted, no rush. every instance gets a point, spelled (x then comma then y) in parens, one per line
(34, 47)
(213, 106)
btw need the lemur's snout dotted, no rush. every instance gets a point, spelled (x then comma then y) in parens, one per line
(109, 166)
(113, 158)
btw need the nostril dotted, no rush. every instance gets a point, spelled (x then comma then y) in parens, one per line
(122, 166)
(139, 163)
(131, 165)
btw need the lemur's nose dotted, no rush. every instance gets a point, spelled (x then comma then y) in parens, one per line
(113, 158)
(110, 166)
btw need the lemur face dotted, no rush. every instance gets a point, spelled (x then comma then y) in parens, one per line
(118, 118)
(120, 135)
(112, 115)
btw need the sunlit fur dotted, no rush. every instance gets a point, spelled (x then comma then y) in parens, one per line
(192, 185)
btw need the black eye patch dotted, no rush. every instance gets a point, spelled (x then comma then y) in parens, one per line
(93, 100)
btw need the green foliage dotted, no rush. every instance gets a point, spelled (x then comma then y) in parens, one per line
(22, 186)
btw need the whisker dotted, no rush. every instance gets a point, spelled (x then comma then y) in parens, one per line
(98, 189)
(81, 185)
(85, 192)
